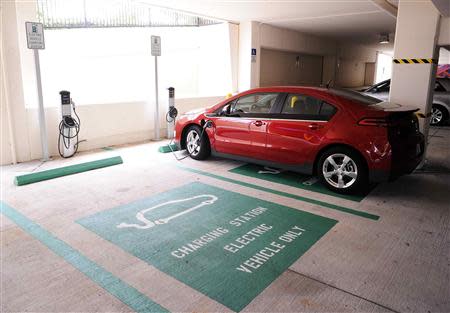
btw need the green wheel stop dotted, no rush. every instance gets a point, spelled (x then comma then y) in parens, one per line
(66, 170)
(168, 148)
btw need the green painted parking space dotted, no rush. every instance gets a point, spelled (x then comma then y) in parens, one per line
(292, 179)
(227, 245)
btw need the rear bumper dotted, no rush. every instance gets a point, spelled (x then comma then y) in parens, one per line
(403, 157)
(406, 155)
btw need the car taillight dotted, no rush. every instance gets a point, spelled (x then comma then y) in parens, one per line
(374, 121)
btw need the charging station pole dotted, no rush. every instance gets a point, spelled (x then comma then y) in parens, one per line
(35, 41)
(156, 52)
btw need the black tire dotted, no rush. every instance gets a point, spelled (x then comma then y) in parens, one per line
(439, 115)
(203, 149)
(355, 166)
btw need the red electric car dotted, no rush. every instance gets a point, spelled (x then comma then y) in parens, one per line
(346, 138)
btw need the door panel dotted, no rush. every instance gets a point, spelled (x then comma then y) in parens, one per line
(294, 141)
(241, 136)
(232, 135)
(258, 135)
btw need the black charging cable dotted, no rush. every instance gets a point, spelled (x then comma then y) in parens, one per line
(171, 115)
(69, 122)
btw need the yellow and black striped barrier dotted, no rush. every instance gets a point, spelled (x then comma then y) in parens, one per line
(415, 61)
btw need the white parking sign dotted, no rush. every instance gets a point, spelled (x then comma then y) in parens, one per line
(156, 46)
(35, 35)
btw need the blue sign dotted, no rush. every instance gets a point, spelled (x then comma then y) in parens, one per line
(253, 51)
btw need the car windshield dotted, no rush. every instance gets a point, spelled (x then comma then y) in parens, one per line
(355, 96)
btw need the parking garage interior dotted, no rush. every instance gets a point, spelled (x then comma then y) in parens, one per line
(103, 209)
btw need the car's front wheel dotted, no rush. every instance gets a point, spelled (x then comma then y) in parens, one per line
(197, 143)
(439, 115)
(342, 170)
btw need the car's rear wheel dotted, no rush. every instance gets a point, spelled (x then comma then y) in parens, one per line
(197, 143)
(439, 115)
(343, 170)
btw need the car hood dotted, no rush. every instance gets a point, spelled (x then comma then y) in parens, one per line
(388, 106)
(196, 111)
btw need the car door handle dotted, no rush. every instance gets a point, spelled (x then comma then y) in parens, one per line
(315, 126)
(258, 123)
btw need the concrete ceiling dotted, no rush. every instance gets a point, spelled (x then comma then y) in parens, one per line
(359, 21)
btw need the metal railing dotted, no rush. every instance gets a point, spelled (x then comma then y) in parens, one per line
(112, 13)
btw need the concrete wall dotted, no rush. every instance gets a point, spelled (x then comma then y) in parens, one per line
(288, 40)
(444, 32)
(444, 56)
(257, 35)
(351, 64)
(123, 123)
(343, 63)
(281, 68)
(329, 69)
(369, 76)
(351, 73)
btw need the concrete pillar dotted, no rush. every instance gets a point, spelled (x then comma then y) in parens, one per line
(10, 49)
(416, 37)
(249, 38)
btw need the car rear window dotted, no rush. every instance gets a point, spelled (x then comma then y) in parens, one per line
(355, 96)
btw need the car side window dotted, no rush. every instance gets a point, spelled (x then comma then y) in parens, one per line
(327, 110)
(221, 110)
(257, 103)
(306, 107)
(301, 104)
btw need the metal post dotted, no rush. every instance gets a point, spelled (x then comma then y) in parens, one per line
(157, 101)
(42, 124)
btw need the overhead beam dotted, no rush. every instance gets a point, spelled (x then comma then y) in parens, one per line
(387, 7)
(443, 6)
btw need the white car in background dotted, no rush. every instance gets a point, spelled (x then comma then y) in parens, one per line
(440, 111)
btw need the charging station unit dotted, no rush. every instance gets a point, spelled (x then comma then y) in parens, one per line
(69, 127)
(171, 113)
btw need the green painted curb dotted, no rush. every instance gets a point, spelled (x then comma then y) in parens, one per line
(115, 286)
(285, 194)
(66, 170)
(168, 148)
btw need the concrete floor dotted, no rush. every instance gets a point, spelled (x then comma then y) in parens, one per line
(400, 263)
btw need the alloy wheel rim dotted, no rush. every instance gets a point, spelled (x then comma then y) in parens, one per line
(436, 115)
(340, 171)
(193, 143)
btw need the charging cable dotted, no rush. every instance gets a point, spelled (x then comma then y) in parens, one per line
(171, 117)
(69, 122)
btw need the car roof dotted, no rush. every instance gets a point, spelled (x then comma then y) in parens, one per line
(287, 88)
